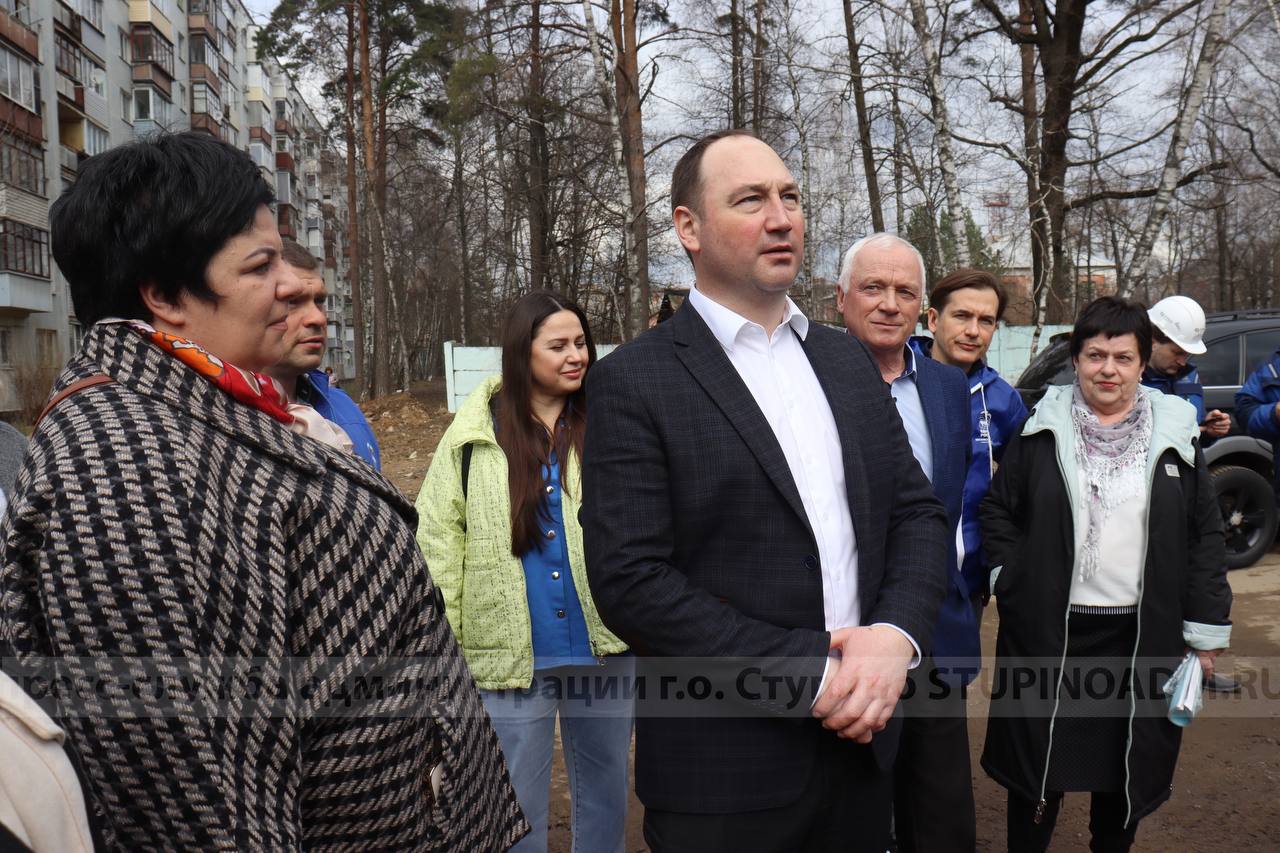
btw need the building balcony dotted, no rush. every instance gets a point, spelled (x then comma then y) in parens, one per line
(206, 123)
(203, 23)
(17, 32)
(150, 72)
(70, 159)
(260, 133)
(284, 161)
(70, 93)
(145, 12)
(283, 126)
(208, 75)
(67, 18)
(287, 228)
(24, 294)
(21, 120)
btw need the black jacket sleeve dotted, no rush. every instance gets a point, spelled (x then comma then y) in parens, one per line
(1206, 593)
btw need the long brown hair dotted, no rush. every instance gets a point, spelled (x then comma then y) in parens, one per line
(522, 437)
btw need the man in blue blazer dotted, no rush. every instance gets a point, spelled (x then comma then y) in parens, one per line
(881, 290)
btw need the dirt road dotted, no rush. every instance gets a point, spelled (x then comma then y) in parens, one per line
(1227, 789)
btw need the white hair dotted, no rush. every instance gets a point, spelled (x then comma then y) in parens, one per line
(876, 239)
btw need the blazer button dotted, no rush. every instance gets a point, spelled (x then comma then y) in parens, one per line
(551, 534)
(811, 562)
(560, 614)
(555, 576)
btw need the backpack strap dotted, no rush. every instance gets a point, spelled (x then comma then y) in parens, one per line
(74, 388)
(466, 466)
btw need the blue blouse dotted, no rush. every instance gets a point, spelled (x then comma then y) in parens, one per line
(559, 626)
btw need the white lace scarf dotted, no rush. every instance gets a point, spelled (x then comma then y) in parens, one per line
(1113, 458)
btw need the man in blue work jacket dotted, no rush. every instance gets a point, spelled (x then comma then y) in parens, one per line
(1177, 330)
(299, 371)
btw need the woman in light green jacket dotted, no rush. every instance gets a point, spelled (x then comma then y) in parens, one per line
(499, 528)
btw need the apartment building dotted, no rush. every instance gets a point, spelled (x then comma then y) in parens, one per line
(79, 76)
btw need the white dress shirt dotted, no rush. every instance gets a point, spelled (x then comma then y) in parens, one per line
(780, 378)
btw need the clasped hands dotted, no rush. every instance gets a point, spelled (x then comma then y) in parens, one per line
(865, 679)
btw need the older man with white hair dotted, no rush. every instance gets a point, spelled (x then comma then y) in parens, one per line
(881, 289)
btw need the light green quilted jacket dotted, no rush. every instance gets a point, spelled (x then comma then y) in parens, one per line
(467, 543)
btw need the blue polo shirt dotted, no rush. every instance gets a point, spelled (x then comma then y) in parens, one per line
(555, 613)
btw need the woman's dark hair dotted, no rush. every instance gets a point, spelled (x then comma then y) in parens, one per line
(522, 437)
(964, 278)
(1113, 317)
(153, 211)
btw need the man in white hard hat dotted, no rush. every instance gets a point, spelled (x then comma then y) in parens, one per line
(1177, 334)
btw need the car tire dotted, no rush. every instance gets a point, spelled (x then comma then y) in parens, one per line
(1249, 514)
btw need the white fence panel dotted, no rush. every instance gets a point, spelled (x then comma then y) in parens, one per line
(466, 367)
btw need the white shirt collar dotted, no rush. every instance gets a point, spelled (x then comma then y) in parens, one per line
(727, 324)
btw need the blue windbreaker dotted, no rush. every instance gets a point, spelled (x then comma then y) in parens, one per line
(997, 413)
(1185, 384)
(335, 405)
(1256, 402)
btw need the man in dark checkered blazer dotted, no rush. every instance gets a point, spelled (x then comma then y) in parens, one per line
(750, 504)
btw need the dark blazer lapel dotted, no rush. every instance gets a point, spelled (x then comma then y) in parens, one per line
(701, 354)
(934, 404)
(833, 361)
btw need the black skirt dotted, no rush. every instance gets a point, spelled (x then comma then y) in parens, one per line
(1091, 727)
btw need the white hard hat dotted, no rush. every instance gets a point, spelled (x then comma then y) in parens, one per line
(1181, 319)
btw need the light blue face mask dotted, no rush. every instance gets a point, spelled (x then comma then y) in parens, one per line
(1184, 689)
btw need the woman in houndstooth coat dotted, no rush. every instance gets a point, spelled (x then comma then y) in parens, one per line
(246, 648)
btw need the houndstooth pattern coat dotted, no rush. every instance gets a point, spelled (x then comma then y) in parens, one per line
(162, 533)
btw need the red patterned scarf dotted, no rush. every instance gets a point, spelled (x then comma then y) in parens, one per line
(253, 389)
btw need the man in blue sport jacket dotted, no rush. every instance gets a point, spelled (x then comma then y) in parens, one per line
(299, 371)
(965, 309)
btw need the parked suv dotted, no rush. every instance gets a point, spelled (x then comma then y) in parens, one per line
(1239, 465)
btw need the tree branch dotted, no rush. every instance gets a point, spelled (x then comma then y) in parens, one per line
(1145, 192)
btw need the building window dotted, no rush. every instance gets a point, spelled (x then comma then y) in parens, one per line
(150, 105)
(205, 100)
(24, 248)
(126, 49)
(17, 80)
(126, 105)
(96, 140)
(91, 11)
(95, 77)
(47, 347)
(6, 346)
(18, 9)
(150, 46)
(22, 164)
(202, 52)
(182, 46)
(77, 335)
(67, 57)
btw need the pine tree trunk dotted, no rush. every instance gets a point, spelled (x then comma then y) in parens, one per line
(377, 244)
(353, 211)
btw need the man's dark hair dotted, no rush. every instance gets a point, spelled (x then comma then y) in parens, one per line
(1159, 336)
(961, 279)
(295, 255)
(1113, 317)
(686, 178)
(153, 211)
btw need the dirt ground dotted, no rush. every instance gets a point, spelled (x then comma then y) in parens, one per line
(1227, 789)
